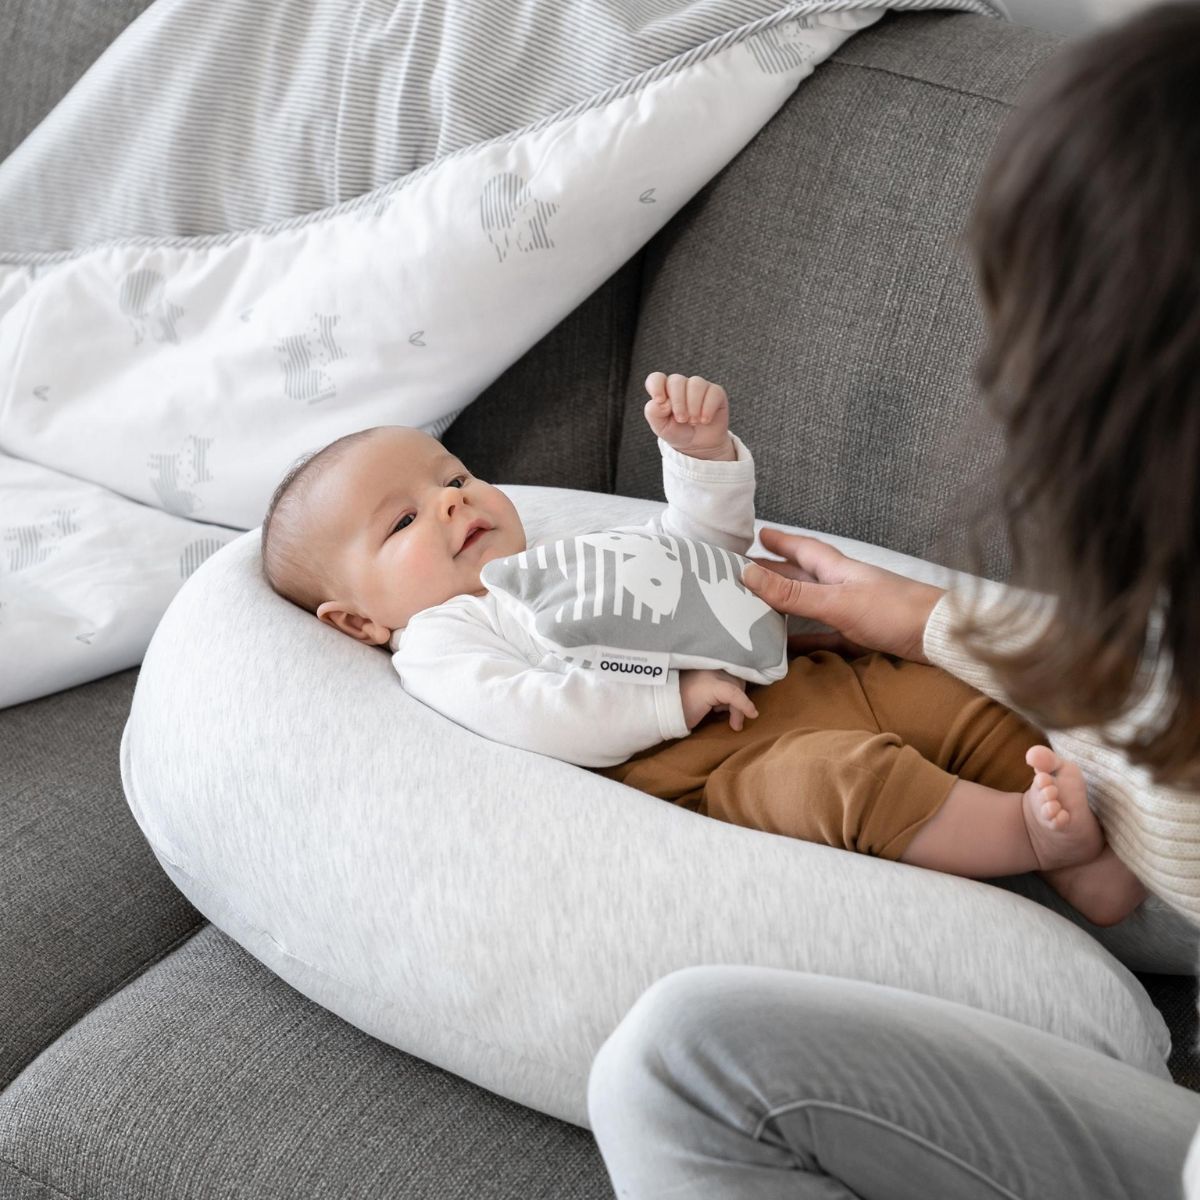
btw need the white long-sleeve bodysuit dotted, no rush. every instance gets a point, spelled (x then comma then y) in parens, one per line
(473, 663)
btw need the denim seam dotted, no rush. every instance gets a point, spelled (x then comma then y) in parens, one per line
(1000, 1189)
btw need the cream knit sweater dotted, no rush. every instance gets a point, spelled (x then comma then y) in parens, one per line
(1154, 830)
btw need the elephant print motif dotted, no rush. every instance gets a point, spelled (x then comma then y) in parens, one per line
(28, 545)
(142, 299)
(194, 553)
(303, 355)
(513, 217)
(174, 475)
(783, 47)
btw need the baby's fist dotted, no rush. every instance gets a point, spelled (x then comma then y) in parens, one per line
(702, 692)
(690, 415)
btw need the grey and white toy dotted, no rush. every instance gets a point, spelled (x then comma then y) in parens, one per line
(638, 604)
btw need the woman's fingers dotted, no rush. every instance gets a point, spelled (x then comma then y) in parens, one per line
(801, 597)
(871, 607)
(783, 567)
(818, 559)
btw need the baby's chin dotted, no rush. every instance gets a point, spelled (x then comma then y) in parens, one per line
(505, 548)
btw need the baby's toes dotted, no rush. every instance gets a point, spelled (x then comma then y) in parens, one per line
(1058, 818)
(1042, 758)
(1049, 807)
(1044, 787)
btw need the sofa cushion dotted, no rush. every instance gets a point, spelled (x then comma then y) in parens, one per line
(554, 417)
(820, 280)
(47, 47)
(208, 1077)
(85, 905)
(495, 911)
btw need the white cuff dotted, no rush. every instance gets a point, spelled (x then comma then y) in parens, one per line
(707, 470)
(668, 702)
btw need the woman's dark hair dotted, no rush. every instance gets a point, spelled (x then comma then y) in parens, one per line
(1086, 240)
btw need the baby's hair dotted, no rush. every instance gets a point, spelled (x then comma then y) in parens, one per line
(288, 561)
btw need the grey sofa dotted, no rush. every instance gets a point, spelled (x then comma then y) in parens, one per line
(820, 279)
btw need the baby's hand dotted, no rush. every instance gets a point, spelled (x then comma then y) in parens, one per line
(690, 415)
(703, 692)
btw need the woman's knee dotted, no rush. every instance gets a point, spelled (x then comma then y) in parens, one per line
(666, 1025)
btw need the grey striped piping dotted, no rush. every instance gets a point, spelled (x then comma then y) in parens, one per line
(209, 118)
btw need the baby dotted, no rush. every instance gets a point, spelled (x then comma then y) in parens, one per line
(384, 534)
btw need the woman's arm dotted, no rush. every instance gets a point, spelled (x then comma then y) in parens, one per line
(872, 609)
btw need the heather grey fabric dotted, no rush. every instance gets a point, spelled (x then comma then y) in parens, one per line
(817, 278)
(209, 1078)
(217, 115)
(84, 905)
(44, 49)
(745, 1084)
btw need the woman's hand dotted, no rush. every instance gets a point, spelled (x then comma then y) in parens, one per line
(872, 609)
(703, 692)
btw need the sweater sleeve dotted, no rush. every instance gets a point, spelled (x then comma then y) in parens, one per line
(708, 501)
(945, 651)
(1152, 828)
(469, 673)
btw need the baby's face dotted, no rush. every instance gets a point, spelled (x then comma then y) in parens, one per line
(405, 526)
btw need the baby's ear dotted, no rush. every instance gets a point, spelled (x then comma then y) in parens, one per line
(361, 629)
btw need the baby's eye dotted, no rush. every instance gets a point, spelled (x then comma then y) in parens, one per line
(460, 480)
(404, 520)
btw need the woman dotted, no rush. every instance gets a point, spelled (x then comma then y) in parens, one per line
(748, 1082)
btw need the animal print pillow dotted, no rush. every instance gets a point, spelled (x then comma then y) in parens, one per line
(636, 604)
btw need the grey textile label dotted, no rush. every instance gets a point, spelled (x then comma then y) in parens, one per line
(633, 668)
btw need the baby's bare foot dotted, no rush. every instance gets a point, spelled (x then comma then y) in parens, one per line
(1063, 830)
(1104, 890)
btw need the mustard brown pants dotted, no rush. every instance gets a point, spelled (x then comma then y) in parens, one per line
(857, 754)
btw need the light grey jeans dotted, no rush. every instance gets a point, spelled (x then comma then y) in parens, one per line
(749, 1083)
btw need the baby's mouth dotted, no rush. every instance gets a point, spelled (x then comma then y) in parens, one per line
(473, 537)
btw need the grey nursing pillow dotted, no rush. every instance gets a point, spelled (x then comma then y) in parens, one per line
(495, 911)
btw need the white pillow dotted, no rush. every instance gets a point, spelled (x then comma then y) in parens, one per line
(186, 373)
(496, 912)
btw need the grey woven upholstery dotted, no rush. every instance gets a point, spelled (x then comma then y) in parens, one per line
(44, 49)
(819, 279)
(554, 417)
(209, 1077)
(86, 906)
